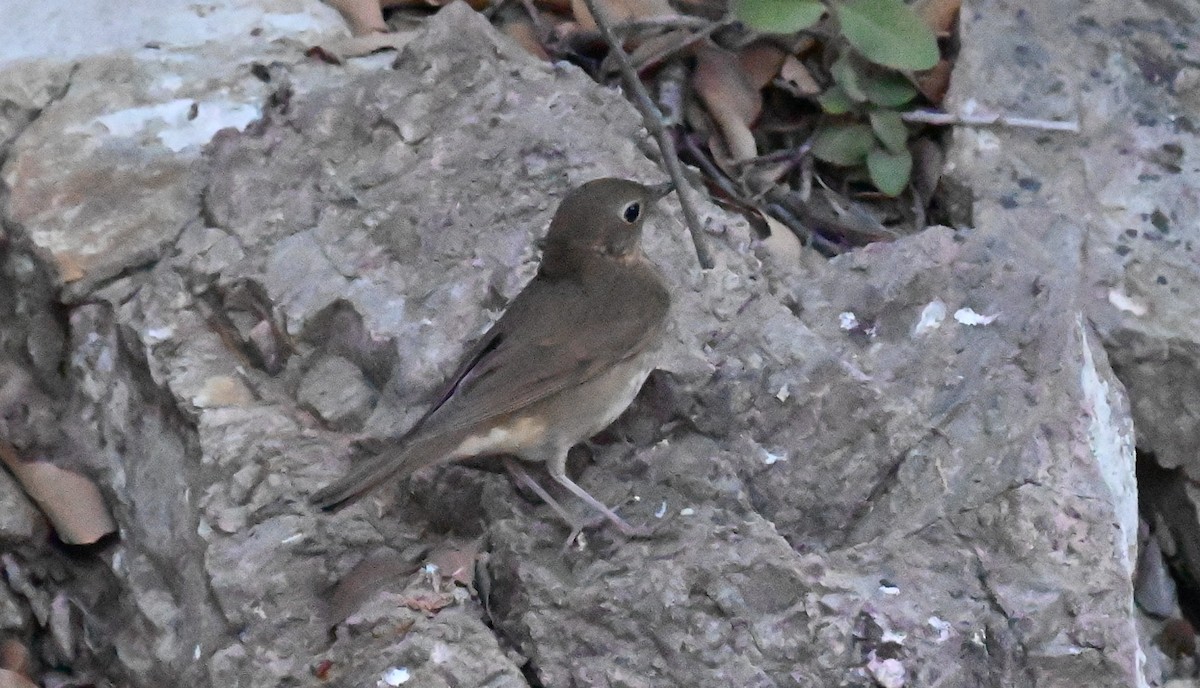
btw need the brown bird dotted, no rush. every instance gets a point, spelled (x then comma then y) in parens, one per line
(566, 358)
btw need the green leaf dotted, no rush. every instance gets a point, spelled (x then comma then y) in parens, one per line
(778, 16)
(888, 89)
(835, 101)
(845, 75)
(890, 129)
(843, 144)
(887, 32)
(889, 171)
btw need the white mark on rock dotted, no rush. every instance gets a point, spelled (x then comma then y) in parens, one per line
(662, 510)
(889, 590)
(441, 653)
(156, 335)
(181, 123)
(968, 316)
(847, 320)
(941, 626)
(888, 673)
(772, 459)
(784, 393)
(687, 511)
(931, 318)
(292, 538)
(1127, 303)
(396, 676)
(894, 637)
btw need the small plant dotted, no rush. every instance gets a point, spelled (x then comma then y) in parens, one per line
(878, 46)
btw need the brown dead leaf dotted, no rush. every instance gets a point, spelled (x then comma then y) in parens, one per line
(796, 79)
(782, 243)
(651, 52)
(622, 11)
(520, 28)
(939, 15)
(70, 268)
(562, 7)
(730, 98)
(338, 50)
(71, 501)
(933, 83)
(428, 603)
(760, 62)
(223, 390)
(15, 657)
(380, 570)
(11, 679)
(318, 53)
(456, 564)
(363, 16)
(928, 160)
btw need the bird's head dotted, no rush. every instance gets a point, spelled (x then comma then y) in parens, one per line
(600, 218)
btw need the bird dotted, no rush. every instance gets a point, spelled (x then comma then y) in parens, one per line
(564, 360)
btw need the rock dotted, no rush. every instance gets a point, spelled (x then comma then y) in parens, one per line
(20, 522)
(912, 464)
(337, 391)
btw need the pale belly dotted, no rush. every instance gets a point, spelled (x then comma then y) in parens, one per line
(548, 428)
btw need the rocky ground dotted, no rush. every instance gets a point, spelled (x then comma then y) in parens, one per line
(912, 465)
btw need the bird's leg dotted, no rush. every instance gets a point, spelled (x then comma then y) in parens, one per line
(558, 471)
(518, 471)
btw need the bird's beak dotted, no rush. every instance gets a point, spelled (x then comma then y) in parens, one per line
(660, 190)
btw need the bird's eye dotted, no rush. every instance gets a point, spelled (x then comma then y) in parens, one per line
(632, 212)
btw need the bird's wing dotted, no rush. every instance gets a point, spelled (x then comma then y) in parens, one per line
(554, 335)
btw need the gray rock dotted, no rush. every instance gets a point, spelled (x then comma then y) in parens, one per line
(20, 522)
(336, 390)
(912, 461)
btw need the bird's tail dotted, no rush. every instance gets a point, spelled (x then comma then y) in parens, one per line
(396, 462)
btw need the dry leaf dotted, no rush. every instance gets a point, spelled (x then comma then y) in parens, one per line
(783, 244)
(70, 268)
(796, 78)
(358, 46)
(11, 679)
(223, 390)
(456, 564)
(71, 501)
(939, 15)
(730, 98)
(520, 28)
(363, 16)
(14, 657)
(928, 160)
(760, 62)
(619, 11)
(428, 603)
(650, 52)
(380, 570)
(556, 6)
(933, 83)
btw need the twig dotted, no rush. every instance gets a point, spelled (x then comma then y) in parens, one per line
(794, 154)
(668, 22)
(986, 120)
(684, 42)
(653, 120)
(776, 210)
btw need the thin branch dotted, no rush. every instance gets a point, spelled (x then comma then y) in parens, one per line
(653, 120)
(987, 120)
(776, 210)
(684, 42)
(679, 21)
